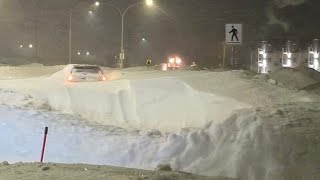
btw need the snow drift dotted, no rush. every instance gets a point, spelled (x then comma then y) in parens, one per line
(167, 104)
(150, 100)
(262, 143)
(28, 71)
(296, 78)
(203, 117)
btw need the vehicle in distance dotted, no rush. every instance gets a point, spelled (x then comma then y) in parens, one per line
(84, 73)
(172, 64)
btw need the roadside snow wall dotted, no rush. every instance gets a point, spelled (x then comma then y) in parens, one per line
(167, 104)
(274, 143)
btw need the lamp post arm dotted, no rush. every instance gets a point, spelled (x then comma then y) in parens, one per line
(129, 7)
(114, 7)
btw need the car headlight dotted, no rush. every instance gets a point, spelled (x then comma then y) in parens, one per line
(178, 60)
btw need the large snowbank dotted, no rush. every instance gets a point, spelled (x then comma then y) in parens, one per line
(165, 103)
(152, 100)
(243, 87)
(275, 143)
(14, 61)
(27, 71)
(296, 78)
(200, 131)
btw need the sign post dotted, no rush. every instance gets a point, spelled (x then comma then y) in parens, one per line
(224, 55)
(233, 37)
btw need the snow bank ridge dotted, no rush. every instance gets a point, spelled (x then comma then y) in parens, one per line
(167, 104)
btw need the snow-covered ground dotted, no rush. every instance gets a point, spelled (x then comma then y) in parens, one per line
(230, 123)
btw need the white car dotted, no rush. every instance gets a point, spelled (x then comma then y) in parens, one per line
(83, 73)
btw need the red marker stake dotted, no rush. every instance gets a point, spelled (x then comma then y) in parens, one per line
(44, 143)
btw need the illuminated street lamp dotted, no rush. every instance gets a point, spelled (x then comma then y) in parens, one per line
(79, 53)
(30, 46)
(88, 53)
(21, 46)
(122, 14)
(149, 2)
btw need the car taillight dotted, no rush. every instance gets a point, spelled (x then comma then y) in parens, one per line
(70, 78)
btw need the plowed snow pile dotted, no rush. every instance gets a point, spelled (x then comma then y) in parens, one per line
(28, 71)
(208, 123)
(166, 103)
(274, 143)
(296, 78)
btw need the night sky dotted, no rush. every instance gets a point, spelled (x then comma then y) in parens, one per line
(193, 29)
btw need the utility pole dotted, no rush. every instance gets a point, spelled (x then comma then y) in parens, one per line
(251, 59)
(224, 55)
(70, 36)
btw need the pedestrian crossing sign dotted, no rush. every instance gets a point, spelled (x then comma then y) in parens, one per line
(234, 34)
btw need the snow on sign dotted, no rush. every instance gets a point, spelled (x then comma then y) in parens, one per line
(233, 33)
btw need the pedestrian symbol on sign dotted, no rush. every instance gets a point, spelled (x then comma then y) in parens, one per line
(234, 32)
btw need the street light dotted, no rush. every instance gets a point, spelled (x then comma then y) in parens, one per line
(79, 53)
(88, 53)
(90, 12)
(149, 2)
(30, 46)
(122, 14)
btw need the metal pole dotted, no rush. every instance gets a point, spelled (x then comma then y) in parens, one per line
(122, 54)
(70, 36)
(122, 49)
(224, 55)
(251, 59)
(232, 56)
